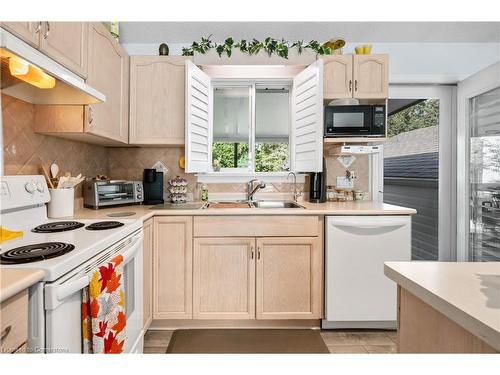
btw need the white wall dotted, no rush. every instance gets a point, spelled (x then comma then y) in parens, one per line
(409, 62)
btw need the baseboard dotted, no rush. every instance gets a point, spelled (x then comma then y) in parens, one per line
(173, 324)
(383, 324)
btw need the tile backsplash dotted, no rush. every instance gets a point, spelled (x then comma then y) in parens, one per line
(24, 151)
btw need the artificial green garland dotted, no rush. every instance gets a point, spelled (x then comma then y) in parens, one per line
(269, 45)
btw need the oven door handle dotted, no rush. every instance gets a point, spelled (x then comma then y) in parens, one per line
(57, 293)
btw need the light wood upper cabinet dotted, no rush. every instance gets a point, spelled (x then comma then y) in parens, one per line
(64, 42)
(224, 278)
(337, 76)
(108, 72)
(27, 31)
(172, 267)
(148, 272)
(67, 43)
(371, 76)
(157, 100)
(356, 76)
(289, 278)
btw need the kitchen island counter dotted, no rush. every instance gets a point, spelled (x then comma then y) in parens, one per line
(466, 293)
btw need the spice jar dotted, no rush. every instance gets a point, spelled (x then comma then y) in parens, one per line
(341, 196)
(331, 194)
(359, 195)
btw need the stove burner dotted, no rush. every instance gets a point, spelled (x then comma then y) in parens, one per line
(57, 226)
(35, 253)
(103, 225)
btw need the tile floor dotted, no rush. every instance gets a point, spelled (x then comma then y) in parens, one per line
(339, 342)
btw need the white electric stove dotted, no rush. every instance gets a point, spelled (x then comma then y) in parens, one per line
(67, 250)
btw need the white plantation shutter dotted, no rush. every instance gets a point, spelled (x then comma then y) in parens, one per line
(307, 119)
(198, 119)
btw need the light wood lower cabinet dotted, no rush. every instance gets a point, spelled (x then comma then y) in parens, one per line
(224, 278)
(14, 322)
(148, 273)
(423, 329)
(289, 278)
(172, 267)
(240, 277)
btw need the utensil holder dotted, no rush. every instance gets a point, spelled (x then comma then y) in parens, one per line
(62, 203)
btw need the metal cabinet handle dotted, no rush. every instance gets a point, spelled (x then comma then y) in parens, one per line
(350, 85)
(251, 252)
(91, 116)
(47, 31)
(355, 85)
(5, 332)
(38, 27)
(258, 253)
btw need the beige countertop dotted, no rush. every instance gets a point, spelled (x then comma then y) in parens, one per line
(329, 208)
(13, 281)
(467, 293)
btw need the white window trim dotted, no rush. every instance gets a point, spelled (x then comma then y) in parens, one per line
(228, 177)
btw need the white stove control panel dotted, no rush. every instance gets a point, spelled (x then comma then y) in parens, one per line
(22, 191)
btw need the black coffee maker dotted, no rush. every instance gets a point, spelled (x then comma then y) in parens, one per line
(153, 186)
(317, 186)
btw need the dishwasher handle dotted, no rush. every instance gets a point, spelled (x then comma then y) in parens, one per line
(370, 223)
(55, 294)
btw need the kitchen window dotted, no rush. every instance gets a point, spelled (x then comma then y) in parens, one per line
(251, 127)
(256, 125)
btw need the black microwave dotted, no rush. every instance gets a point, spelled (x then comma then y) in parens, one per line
(354, 121)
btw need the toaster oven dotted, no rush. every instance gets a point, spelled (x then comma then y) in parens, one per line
(105, 193)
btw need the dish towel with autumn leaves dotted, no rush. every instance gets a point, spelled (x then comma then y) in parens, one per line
(103, 310)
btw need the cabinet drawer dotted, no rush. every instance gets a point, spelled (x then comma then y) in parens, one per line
(256, 226)
(14, 322)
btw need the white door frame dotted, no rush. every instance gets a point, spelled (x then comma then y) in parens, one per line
(486, 80)
(447, 160)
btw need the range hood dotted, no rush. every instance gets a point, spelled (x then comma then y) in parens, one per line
(29, 75)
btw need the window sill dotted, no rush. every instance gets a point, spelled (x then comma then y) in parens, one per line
(236, 177)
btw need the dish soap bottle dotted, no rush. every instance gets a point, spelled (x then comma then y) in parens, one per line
(204, 193)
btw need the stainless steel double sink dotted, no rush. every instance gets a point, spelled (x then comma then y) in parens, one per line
(253, 204)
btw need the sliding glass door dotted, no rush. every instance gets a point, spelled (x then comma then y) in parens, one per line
(478, 198)
(419, 164)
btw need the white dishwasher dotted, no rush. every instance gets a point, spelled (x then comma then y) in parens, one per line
(358, 295)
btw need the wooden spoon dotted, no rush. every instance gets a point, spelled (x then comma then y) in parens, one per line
(49, 182)
(54, 170)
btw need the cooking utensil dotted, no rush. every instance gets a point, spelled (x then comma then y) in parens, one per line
(46, 175)
(69, 182)
(54, 170)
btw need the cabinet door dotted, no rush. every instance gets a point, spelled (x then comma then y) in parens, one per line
(371, 77)
(289, 278)
(337, 76)
(157, 100)
(306, 141)
(224, 278)
(67, 43)
(199, 118)
(172, 267)
(108, 69)
(148, 273)
(27, 31)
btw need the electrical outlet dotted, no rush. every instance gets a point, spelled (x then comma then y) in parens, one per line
(160, 167)
(344, 183)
